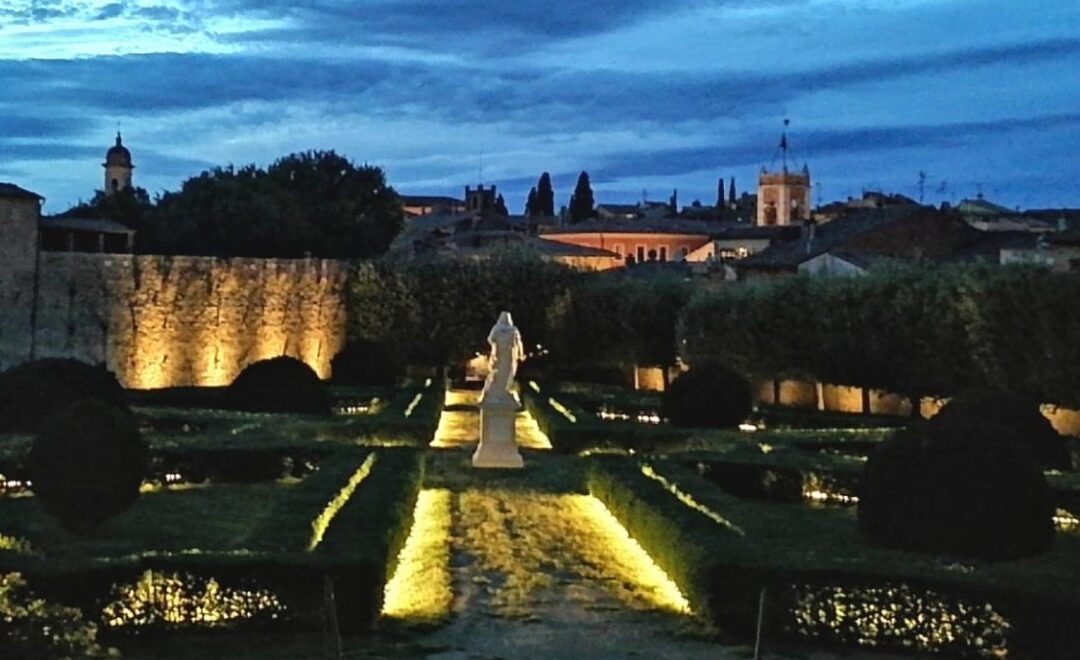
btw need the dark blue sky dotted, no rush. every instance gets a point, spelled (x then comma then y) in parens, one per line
(646, 96)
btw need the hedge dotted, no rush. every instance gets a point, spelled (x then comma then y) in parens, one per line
(355, 556)
(798, 555)
(919, 330)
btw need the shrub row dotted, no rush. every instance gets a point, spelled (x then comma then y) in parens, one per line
(919, 330)
(723, 573)
(355, 557)
(589, 432)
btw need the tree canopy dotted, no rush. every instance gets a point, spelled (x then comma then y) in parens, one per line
(315, 203)
(545, 196)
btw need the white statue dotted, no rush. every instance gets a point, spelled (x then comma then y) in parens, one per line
(506, 352)
(498, 406)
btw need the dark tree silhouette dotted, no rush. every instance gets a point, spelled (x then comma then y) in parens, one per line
(545, 196)
(530, 203)
(581, 202)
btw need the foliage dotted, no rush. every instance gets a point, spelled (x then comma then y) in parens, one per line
(439, 311)
(1017, 414)
(956, 486)
(918, 330)
(129, 206)
(545, 196)
(282, 384)
(530, 203)
(314, 203)
(582, 202)
(618, 321)
(32, 392)
(87, 464)
(708, 396)
(33, 628)
(364, 362)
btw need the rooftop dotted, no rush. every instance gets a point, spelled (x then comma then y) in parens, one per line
(86, 224)
(13, 191)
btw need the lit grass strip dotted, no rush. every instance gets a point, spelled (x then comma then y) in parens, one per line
(563, 410)
(322, 521)
(651, 579)
(1066, 521)
(688, 499)
(412, 404)
(420, 589)
(535, 386)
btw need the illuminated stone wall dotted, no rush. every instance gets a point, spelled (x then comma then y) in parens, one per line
(18, 236)
(176, 321)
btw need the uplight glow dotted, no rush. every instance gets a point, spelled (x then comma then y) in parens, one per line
(322, 521)
(688, 499)
(420, 588)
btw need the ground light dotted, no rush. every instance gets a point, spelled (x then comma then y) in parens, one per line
(419, 589)
(319, 525)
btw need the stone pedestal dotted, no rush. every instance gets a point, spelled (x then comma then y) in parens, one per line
(498, 446)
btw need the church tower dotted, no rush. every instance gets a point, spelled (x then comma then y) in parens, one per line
(118, 167)
(783, 197)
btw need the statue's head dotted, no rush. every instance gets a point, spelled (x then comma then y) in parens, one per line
(504, 319)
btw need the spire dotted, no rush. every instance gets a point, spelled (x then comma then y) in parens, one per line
(784, 143)
(119, 142)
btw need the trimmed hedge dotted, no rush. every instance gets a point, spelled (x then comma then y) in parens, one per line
(32, 392)
(355, 557)
(957, 486)
(1022, 417)
(723, 573)
(708, 396)
(87, 464)
(918, 330)
(279, 385)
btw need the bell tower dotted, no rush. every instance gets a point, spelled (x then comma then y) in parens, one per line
(784, 196)
(118, 167)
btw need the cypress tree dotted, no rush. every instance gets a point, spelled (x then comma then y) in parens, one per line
(500, 206)
(581, 202)
(731, 193)
(721, 205)
(530, 204)
(545, 196)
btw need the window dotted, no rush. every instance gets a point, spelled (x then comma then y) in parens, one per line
(663, 253)
(685, 253)
(641, 254)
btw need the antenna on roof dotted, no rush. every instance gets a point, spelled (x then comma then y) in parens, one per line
(783, 142)
(922, 185)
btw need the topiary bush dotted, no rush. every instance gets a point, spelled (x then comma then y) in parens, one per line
(34, 391)
(708, 396)
(956, 486)
(364, 362)
(1014, 412)
(281, 384)
(87, 464)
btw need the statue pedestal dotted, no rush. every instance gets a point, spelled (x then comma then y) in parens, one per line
(498, 447)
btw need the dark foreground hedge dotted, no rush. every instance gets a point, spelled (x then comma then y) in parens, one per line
(353, 560)
(722, 573)
(34, 391)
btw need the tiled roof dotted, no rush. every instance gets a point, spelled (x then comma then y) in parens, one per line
(94, 225)
(660, 226)
(12, 190)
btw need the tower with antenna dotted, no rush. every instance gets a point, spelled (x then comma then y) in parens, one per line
(784, 195)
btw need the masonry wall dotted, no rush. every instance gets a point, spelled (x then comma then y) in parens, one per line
(18, 237)
(176, 321)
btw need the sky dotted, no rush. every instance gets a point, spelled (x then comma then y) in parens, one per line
(647, 96)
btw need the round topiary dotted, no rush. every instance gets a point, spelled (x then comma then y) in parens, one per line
(708, 396)
(87, 464)
(956, 486)
(364, 362)
(282, 384)
(1014, 412)
(33, 391)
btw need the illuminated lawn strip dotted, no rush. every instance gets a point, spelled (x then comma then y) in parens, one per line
(563, 410)
(528, 432)
(688, 500)
(530, 548)
(412, 404)
(420, 588)
(322, 521)
(644, 571)
(1066, 521)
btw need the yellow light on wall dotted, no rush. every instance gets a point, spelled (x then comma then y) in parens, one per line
(420, 588)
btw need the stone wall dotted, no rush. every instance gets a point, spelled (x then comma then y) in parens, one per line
(18, 236)
(175, 321)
